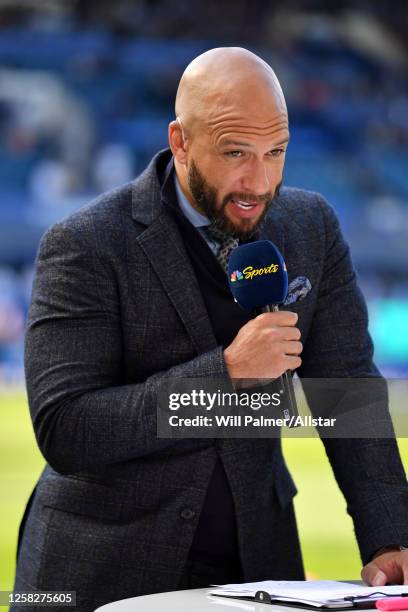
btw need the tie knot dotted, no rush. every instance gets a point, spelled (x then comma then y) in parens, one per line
(227, 244)
(216, 234)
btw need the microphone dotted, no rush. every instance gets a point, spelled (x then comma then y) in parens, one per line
(258, 279)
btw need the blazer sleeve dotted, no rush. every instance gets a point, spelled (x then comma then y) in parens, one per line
(83, 416)
(368, 469)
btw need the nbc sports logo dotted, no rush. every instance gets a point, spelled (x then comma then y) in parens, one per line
(236, 275)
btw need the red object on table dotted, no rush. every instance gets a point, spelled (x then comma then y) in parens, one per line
(392, 603)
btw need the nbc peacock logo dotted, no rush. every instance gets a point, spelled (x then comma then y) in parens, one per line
(236, 275)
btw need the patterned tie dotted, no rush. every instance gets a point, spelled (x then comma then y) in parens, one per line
(227, 244)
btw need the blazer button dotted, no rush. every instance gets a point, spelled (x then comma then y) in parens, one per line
(187, 514)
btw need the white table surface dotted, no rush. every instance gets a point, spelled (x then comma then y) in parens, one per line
(191, 600)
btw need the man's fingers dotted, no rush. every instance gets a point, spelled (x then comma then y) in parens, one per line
(404, 565)
(292, 348)
(293, 363)
(290, 333)
(387, 567)
(380, 579)
(280, 317)
(372, 574)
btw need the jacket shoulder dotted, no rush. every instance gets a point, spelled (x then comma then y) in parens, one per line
(307, 210)
(105, 209)
(114, 209)
(302, 200)
(99, 222)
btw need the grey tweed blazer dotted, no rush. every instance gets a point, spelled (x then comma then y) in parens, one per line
(116, 310)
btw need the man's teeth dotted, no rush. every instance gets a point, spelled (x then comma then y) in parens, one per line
(244, 205)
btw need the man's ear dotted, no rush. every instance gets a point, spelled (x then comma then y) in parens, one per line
(177, 141)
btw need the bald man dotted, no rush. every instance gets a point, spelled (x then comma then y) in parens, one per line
(130, 292)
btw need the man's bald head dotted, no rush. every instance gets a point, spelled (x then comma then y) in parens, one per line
(229, 138)
(222, 81)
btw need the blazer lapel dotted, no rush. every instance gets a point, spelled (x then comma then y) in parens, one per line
(163, 246)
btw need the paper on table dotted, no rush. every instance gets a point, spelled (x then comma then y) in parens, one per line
(316, 591)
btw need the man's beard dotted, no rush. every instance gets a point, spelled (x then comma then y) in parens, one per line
(205, 197)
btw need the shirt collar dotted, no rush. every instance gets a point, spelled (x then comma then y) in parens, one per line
(195, 218)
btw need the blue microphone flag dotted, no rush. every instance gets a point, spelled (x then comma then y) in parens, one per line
(257, 275)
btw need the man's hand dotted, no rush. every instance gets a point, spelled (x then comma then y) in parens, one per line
(265, 347)
(387, 567)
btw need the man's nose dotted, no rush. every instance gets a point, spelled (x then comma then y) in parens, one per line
(256, 179)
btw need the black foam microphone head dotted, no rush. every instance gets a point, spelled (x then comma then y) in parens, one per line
(257, 275)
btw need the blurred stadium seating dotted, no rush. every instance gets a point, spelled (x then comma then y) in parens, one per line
(87, 91)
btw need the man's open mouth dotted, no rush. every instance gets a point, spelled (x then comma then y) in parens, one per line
(244, 204)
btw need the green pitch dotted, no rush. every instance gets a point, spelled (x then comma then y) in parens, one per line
(328, 544)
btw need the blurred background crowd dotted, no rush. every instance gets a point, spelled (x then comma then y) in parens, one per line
(87, 89)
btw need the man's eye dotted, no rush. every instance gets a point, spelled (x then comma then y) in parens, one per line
(277, 152)
(233, 153)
